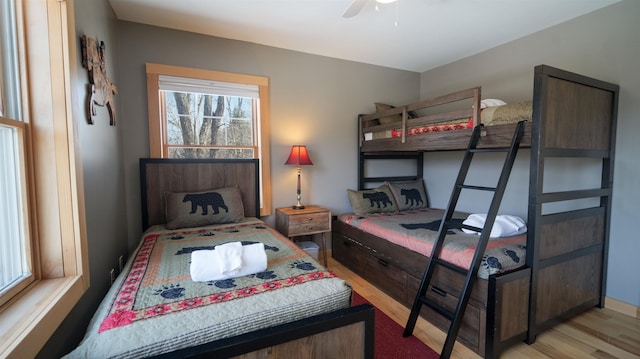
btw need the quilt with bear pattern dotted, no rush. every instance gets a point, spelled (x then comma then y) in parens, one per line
(155, 307)
(417, 230)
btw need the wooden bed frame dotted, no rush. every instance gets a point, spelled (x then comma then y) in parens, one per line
(573, 117)
(348, 331)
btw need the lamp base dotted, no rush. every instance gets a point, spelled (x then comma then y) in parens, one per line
(298, 206)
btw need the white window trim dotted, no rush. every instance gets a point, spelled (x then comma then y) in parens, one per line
(56, 190)
(155, 71)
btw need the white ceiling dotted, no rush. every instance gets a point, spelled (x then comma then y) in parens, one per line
(429, 33)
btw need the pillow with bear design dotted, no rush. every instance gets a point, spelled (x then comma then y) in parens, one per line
(195, 209)
(374, 200)
(409, 194)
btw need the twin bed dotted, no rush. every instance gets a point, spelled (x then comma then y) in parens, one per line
(154, 309)
(527, 283)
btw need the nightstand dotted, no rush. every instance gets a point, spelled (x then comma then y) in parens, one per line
(301, 222)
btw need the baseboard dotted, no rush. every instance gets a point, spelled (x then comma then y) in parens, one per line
(622, 307)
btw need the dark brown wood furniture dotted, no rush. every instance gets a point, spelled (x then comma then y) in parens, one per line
(344, 332)
(304, 222)
(574, 118)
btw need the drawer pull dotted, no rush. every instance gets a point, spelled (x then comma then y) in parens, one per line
(346, 243)
(439, 291)
(382, 262)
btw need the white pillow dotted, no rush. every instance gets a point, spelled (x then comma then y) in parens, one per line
(504, 226)
(490, 102)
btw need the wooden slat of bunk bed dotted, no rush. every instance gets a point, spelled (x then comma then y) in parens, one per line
(496, 136)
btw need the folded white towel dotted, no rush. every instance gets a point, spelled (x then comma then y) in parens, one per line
(504, 225)
(229, 257)
(204, 266)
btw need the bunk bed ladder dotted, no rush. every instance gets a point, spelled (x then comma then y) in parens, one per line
(421, 299)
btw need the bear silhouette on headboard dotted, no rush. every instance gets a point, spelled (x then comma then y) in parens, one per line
(204, 200)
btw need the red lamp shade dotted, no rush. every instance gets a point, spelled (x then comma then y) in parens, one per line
(299, 156)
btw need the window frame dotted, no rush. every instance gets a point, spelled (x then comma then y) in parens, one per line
(156, 128)
(49, 75)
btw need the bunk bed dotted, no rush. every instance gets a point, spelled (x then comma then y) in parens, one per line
(157, 307)
(572, 117)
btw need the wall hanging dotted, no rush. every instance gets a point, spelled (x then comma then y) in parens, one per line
(100, 89)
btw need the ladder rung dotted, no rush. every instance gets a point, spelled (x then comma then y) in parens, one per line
(500, 149)
(480, 188)
(437, 307)
(451, 266)
(458, 225)
(471, 228)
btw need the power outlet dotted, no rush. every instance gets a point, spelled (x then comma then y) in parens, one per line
(120, 263)
(112, 273)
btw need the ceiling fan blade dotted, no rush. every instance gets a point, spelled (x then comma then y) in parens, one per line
(354, 8)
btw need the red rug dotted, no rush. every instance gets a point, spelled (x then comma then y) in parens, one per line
(389, 342)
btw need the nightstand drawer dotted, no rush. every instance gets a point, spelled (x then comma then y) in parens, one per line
(312, 222)
(300, 222)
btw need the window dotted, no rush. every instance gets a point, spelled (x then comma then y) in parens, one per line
(196, 113)
(205, 119)
(43, 266)
(15, 244)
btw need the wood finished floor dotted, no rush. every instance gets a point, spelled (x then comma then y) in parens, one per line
(597, 333)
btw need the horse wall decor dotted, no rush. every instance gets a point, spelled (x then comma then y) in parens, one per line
(100, 89)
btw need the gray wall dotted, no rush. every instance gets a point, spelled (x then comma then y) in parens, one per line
(605, 45)
(314, 101)
(101, 156)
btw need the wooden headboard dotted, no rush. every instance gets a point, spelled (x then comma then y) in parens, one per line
(158, 176)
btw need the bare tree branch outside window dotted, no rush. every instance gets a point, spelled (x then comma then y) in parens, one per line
(209, 126)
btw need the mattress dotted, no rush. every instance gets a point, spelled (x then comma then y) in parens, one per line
(417, 230)
(154, 307)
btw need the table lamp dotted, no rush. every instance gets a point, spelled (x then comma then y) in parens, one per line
(298, 157)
